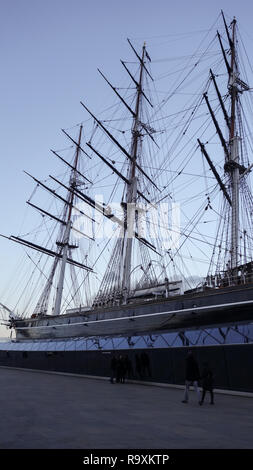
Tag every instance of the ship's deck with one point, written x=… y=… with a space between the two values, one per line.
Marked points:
x=54 y=411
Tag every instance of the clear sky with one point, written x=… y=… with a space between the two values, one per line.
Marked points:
x=50 y=51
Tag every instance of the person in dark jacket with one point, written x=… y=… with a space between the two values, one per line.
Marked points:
x=191 y=376
x=113 y=368
x=207 y=383
x=120 y=370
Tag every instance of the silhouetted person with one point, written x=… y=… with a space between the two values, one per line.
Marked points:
x=145 y=364
x=191 y=376
x=113 y=368
x=120 y=370
x=207 y=383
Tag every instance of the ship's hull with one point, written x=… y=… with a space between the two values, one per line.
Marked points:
x=232 y=305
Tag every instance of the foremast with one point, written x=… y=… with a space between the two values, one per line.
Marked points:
x=62 y=254
x=66 y=235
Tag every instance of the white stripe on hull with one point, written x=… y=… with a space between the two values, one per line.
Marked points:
x=131 y=325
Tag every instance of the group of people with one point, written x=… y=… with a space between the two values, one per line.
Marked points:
x=193 y=377
x=122 y=367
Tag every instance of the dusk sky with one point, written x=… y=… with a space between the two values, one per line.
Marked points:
x=50 y=51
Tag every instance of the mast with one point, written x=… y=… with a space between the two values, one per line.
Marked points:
x=233 y=163
x=233 y=166
x=132 y=189
x=66 y=236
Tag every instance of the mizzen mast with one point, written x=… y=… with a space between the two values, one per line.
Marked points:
x=232 y=147
x=233 y=162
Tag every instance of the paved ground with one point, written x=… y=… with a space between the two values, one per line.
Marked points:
x=48 y=411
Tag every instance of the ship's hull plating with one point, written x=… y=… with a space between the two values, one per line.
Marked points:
x=227 y=306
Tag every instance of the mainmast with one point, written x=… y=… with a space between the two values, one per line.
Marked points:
x=66 y=236
x=130 y=203
x=115 y=285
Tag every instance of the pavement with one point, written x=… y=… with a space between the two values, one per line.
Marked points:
x=52 y=411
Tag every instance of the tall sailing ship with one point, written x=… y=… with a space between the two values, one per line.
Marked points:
x=127 y=269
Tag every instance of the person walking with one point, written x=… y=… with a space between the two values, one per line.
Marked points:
x=120 y=370
x=191 y=376
x=207 y=383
